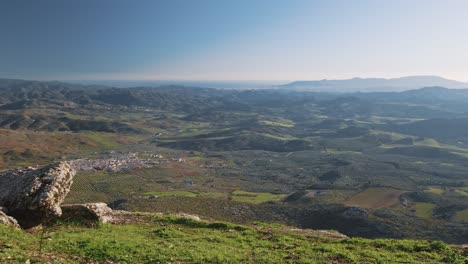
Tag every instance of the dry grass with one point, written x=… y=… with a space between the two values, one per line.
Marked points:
x=374 y=198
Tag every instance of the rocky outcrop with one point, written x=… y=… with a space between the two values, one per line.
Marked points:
x=89 y=214
x=32 y=195
x=7 y=220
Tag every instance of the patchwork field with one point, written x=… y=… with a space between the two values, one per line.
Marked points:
x=375 y=198
x=251 y=197
x=436 y=190
x=461 y=216
x=424 y=210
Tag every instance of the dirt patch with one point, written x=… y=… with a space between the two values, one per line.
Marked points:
x=375 y=198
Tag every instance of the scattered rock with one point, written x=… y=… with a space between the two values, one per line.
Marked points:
x=321 y=233
x=188 y=216
x=88 y=214
x=32 y=195
x=7 y=220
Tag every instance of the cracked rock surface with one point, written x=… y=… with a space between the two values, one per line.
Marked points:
x=32 y=195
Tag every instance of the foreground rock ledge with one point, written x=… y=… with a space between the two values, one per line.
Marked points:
x=89 y=214
x=32 y=195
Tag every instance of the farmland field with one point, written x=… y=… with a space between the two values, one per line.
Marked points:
x=375 y=198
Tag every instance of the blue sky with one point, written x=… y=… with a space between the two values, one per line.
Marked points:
x=232 y=40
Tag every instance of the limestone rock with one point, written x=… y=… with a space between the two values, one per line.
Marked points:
x=188 y=216
x=7 y=220
x=31 y=195
x=89 y=214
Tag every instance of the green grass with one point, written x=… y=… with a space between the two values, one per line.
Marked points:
x=447 y=164
x=337 y=152
x=109 y=140
x=283 y=123
x=187 y=194
x=462 y=154
x=238 y=196
x=424 y=210
x=435 y=190
x=177 y=240
x=282 y=137
x=394 y=136
x=172 y=193
x=102 y=139
x=254 y=197
x=462 y=191
x=427 y=142
x=461 y=216
x=385 y=119
x=375 y=198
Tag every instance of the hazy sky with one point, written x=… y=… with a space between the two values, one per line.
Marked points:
x=232 y=39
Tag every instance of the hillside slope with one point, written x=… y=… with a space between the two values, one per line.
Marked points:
x=166 y=239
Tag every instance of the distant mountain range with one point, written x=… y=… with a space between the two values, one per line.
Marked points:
x=374 y=84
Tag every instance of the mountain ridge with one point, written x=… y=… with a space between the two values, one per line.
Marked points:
x=374 y=84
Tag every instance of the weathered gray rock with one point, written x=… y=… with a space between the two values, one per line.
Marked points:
x=32 y=195
x=89 y=214
x=7 y=220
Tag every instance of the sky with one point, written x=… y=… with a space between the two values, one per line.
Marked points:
x=232 y=39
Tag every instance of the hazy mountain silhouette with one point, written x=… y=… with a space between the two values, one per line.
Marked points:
x=374 y=84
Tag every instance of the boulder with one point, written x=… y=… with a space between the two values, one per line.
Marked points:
x=89 y=214
x=7 y=220
x=33 y=195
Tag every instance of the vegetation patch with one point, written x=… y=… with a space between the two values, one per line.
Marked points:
x=283 y=123
x=436 y=190
x=108 y=140
x=424 y=210
x=428 y=142
x=161 y=194
x=461 y=216
x=256 y=197
x=338 y=152
x=280 y=137
x=462 y=191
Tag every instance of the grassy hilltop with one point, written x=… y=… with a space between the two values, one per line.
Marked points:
x=158 y=239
